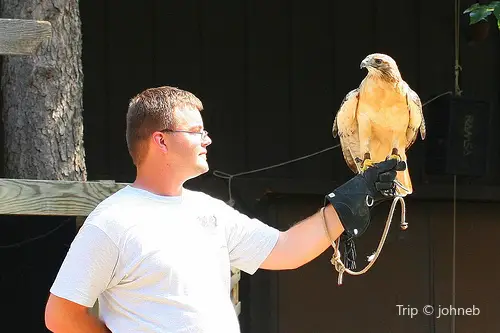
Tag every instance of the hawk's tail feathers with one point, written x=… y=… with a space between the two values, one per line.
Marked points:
x=403 y=177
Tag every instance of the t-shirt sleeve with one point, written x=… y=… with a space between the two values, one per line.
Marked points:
x=249 y=240
x=88 y=267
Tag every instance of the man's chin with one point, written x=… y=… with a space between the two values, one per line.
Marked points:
x=202 y=168
x=198 y=173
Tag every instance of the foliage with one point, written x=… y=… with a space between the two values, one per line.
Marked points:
x=479 y=12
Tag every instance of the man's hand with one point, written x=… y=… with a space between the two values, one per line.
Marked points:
x=353 y=200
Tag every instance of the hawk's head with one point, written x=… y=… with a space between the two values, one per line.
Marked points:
x=381 y=64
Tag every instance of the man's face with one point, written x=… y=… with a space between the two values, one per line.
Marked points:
x=187 y=152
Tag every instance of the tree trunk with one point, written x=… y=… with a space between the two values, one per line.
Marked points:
x=42 y=97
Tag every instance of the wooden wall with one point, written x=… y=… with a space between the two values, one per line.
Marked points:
x=414 y=269
x=271 y=74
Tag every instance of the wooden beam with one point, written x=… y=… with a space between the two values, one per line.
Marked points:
x=56 y=198
x=22 y=37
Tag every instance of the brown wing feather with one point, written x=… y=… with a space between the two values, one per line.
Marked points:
x=417 y=120
x=346 y=128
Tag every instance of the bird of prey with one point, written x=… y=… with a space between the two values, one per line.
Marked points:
x=380 y=119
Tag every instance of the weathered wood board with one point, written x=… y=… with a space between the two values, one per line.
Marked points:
x=22 y=37
x=53 y=197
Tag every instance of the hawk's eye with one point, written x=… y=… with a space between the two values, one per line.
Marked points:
x=378 y=61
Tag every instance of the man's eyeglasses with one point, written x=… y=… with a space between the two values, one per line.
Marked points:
x=203 y=133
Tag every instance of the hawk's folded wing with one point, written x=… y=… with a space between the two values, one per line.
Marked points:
x=416 y=120
x=345 y=125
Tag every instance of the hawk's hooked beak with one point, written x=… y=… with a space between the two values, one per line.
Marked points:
x=365 y=63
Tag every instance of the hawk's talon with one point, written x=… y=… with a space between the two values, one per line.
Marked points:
x=366 y=164
x=394 y=157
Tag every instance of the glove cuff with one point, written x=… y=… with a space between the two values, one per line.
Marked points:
x=352 y=204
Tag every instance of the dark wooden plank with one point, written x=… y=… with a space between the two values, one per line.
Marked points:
x=177 y=44
x=267 y=111
x=436 y=48
x=435 y=59
x=485 y=275
x=130 y=69
x=22 y=37
x=96 y=114
x=223 y=82
x=311 y=90
x=397 y=35
x=263 y=287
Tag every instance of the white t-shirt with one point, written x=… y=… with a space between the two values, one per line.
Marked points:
x=162 y=264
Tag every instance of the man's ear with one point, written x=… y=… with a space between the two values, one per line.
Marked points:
x=159 y=141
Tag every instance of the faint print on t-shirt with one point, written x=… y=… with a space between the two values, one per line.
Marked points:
x=208 y=221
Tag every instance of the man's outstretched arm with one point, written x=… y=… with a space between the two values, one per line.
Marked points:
x=304 y=241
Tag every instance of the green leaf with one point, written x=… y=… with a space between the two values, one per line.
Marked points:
x=479 y=14
x=494 y=4
x=471 y=8
x=496 y=11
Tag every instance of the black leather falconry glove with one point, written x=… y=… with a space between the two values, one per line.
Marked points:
x=353 y=200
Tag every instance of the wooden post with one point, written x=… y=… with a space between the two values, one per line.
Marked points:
x=22 y=37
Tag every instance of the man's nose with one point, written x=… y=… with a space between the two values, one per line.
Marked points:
x=207 y=141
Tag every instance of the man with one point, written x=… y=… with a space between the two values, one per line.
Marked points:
x=157 y=256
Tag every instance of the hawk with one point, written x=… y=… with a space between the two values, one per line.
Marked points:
x=380 y=119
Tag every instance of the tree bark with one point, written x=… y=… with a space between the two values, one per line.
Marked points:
x=42 y=97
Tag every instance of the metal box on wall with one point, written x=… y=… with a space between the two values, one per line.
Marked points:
x=457 y=140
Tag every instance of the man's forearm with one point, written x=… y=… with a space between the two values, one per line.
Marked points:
x=308 y=239
x=304 y=241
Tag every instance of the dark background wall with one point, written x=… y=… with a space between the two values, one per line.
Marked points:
x=271 y=74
